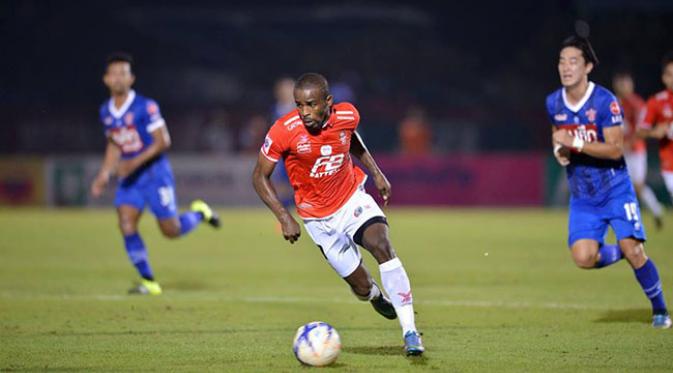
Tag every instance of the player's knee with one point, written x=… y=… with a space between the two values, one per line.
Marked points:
x=585 y=260
x=634 y=253
x=170 y=231
x=382 y=250
x=361 y=290
x=127 y=227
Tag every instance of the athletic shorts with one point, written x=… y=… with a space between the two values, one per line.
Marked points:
x=339 y=234
x=591 y=221
x=153 y=186
x=637 y=166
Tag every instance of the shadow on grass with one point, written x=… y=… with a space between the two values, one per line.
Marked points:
x=640 y=315
x=375 y=350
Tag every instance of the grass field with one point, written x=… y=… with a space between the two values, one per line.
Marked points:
x=495 y=290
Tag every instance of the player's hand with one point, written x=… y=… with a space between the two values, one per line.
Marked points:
x=564 y=138
x=290 y=228
x=383 y=185
x=99 y=183
x=125 y=168
x=562 y=154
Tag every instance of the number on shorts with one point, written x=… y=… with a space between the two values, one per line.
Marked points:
x=631 y=211
x=166 y=195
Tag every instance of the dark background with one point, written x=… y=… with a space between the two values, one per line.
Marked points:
x=480 y=69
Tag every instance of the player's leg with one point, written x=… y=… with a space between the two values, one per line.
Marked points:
x=629 y=231
x=374 y=238
x=586 y=230
x=128 y=216
x=668 y=181
x=162 y=201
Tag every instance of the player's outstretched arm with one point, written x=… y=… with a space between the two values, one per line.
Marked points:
x=612 y=148
x=161 y=141
x=360 y=151
x=107 y=169
x=657 y=132
x=261 y=180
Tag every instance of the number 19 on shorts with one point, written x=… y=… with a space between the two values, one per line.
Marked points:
x=631 y=211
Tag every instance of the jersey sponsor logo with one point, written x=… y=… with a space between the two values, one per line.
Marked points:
x=357 y=212
x=303 y=145
x=614 y=108
x=128 y=119
x=327 y=165
x=267 y=145
x=591 y=115
x=326 y=150
x=127 y=138
x=562 y=117
x=588 y=133
x=616 y=119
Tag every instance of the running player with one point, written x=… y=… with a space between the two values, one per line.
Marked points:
x=588 y=139
x=316 y=142
x=635 y=148
x=658 y=121
x=137 y=142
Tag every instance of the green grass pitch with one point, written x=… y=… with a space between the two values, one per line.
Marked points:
x=495 y=290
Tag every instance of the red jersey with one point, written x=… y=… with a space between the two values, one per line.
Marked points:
x=659 y=110
x=319 y=166
x=633 y=106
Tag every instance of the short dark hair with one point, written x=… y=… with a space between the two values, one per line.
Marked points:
x=582 y=44
x=668 y=59
x=118 y=57
x=622 y=73
x=313 y=80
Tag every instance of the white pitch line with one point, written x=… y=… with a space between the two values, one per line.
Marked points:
x=290 y=300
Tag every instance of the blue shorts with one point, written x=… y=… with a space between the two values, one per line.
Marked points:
x=591 y=221
x=153 y=186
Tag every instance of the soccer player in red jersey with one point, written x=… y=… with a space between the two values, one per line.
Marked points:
x=316 y=142
x=635 y=148
x=658 y=121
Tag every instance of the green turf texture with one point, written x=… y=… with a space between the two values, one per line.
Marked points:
x=495 y=290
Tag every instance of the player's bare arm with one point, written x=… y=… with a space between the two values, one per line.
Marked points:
x=110 y=161
x=360 y=151
x=161 y=142
x=659 y=131
x=612 y=148
x=261 y=180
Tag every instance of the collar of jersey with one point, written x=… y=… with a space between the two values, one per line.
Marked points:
x=118 y=113
x=329 y=121
x=575 y=108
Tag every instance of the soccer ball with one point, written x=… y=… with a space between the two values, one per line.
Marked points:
x=316 y=343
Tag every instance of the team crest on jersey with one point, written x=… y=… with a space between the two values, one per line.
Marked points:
x=108 y=120
x=303 y=145
x=614 y=108
x=343 y=137
x=326 y=150
x=591 y=115
x=561 y=117
x=128 y=118
x=666 y=111
x=267 y=145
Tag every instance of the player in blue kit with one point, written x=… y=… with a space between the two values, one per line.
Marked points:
x=588 y=140
x=137 y=142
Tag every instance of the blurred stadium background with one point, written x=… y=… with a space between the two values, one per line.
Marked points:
x=451 y=95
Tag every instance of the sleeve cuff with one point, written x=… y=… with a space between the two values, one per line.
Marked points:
x=156 y=125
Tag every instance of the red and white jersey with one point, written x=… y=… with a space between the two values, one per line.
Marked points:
x=633 y=107
x=659 y=110
x=320 y=167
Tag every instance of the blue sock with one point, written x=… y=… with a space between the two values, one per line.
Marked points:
x=189 y=220
x=135 y=248
x=610 y=254
x=648 y=277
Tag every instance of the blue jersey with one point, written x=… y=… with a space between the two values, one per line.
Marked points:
x=131 y=126
x=592 y=180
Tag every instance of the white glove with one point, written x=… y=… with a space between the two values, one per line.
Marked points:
x=563 y=161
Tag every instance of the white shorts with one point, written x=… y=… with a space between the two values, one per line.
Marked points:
x=637 y=165
x=334 y=234
x=668 y=180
